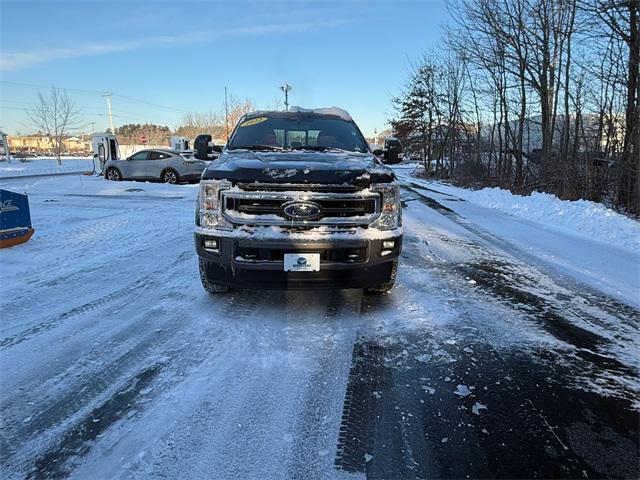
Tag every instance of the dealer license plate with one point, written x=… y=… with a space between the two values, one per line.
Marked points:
x=301 y=262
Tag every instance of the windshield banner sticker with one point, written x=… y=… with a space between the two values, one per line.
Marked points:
x=253 y=121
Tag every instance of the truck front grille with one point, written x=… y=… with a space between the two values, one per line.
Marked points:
x=342 y=255
x=267 y=207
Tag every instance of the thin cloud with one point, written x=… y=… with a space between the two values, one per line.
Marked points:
x=21 y=60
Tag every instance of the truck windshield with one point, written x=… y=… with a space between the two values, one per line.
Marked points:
x=305 y=132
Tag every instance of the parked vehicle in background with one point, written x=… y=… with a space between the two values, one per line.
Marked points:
x=23 y=155
x=167 y=166
x=297 y=200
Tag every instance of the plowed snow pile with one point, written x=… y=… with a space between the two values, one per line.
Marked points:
x=582 y=217
x=44 y=166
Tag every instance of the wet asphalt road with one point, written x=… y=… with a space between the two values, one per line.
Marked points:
x=483 y=363
x=429 y=407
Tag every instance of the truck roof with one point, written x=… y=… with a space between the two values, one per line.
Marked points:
x=334 y=111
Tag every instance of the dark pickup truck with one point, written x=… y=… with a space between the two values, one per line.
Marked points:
x=297 y=200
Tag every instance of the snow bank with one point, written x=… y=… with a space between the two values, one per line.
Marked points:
x=45 y=166
x=582 y=217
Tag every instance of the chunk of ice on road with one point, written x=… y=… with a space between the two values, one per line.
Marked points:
x=323 y=453
x=367 y=457
x=467 y=349
x=477 y=407
x=423 y=358
x=428 y=389
x=444 y=439
x=462 y=391
x=471 y=282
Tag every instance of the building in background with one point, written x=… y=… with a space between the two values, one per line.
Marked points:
x=41 y=144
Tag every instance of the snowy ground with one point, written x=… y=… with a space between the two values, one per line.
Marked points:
x=44 y=166
x=507 y=349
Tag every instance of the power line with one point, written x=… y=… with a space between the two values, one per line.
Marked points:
x=27 y=105
x=33 y=85
x=125 y=97
x=81 y=112
x=144 y=102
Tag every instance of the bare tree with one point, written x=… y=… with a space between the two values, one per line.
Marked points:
x=55 y=115
x=236 y=109
x=622 y=18
x=195 y=123
x=214 y=123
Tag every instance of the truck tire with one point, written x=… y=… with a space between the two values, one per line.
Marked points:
x=388 y=285
x=207 y=284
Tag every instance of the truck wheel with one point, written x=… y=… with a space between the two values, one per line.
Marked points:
x=170 y=176
x=388 y=285
x=113 y=174
x=207 y=284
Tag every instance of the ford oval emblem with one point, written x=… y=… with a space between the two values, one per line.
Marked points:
x=296 y=210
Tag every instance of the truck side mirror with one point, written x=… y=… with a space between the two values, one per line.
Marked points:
x=378 y=152
x=392 y=151
x=201 y=146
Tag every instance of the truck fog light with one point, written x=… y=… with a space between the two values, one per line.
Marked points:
x=384 y=253
x=211 y=244
x=388 y=244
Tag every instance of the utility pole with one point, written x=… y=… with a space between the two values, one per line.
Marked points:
x=286 y=88
x=226 y=113
x=108 y=97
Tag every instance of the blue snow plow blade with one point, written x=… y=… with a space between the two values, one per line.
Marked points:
x=15 y=219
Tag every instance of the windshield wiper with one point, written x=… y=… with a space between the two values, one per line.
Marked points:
x=257 y=147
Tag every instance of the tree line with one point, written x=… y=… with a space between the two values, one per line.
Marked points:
x=218 y=124
x=56 y=116
x=531 y=95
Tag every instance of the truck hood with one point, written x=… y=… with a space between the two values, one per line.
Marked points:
x=299 y=167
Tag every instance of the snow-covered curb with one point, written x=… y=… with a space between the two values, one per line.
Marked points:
x=581 y=217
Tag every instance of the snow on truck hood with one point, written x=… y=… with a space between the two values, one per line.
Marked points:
x=299 y=167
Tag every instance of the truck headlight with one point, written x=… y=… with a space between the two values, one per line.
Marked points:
x=209 y=208
x=390 y=210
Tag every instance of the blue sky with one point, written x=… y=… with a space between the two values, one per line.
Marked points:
x=180 y=55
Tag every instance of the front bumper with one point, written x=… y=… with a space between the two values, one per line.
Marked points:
x=230 y=266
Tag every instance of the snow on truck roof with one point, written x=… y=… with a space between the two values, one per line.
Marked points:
x=338 y=112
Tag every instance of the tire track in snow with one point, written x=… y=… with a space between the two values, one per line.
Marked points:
x=593 y=297
x=41 y=327
x=317 y=425
x=599 y=360
x=560 y=308
x=136 y=287
x=177 y=356
x=77 y=440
